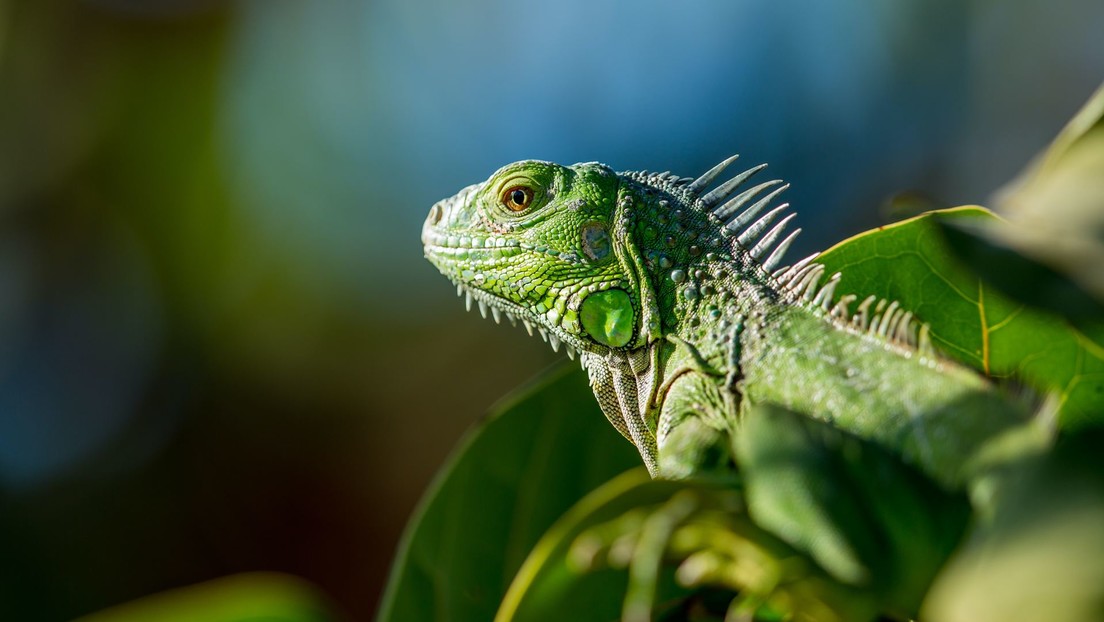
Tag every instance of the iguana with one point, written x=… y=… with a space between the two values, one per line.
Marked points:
x=848 y=436
x=670 y=291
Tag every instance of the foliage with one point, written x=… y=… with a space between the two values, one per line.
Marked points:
x=238 y=598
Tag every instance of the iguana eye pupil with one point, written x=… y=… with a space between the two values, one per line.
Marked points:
x=517 y=198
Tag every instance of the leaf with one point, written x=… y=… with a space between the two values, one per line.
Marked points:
x=1041 y=556
x=239 y=598
x=696 y=530
x=543 y=449
x=1020 y=277
x=548 y=587
x=971 y=322
x=866 y=517
x=1055 y=219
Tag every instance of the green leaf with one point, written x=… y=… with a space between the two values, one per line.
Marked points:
x=542 y=450
x=869 y=519
x=1041 y=556
x=971 y=322
x=239 y=598
x=1022 y=278
x=1055 y=220
x=642 y=549
x=549 y=587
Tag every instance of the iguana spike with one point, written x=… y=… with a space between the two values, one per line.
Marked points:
x=791 y=279
x=923 y=341
x=862 y=318
x=842 y=309
x=768 y=240
x=721 y=192
x=497 y=315
x=736 y=204
x=824 y=296
x=739 y=222
x=732 y=206
x=876 y=321
x=807 y=288
x=784 y=274
x=888 y=318
x=894 y=328
x=554 y=341
x=528 y=327
x=467 y=301
x=904 y=329
x=700 y=183
x=756 y=229
x=775 y=257
x=482 y=309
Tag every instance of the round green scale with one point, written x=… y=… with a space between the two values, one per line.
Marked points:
x=607 y=316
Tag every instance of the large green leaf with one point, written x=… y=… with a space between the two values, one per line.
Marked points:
x=248 y=597
x=1055 y=208
x=1049 y=251
x=550 y=587
x=1041 y=556
x=909 y=262
x=866 y=517
x=644 y=549
x=541 y=451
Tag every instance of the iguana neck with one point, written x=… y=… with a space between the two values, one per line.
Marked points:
x=689 y=274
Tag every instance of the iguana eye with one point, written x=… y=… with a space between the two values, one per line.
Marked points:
x=517 y=198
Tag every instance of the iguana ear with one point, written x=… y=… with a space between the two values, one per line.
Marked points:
x=632 y=265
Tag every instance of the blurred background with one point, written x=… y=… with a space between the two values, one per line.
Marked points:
x=220 y=347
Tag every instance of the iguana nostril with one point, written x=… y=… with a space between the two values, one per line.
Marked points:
x=434 y=215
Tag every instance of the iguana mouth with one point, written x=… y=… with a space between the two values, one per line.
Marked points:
x=473 y=246
x=453 y=242
x=514 y=313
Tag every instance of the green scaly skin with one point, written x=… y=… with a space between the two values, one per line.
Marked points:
x=671 y=298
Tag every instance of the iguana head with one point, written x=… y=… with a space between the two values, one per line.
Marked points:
x=600 y=260
x=538 y=243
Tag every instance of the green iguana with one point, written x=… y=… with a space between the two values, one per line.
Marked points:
x=670 y=290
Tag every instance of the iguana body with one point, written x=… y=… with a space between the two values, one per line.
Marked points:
x=671 y=295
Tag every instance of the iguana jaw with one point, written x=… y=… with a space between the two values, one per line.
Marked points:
x=475 y=259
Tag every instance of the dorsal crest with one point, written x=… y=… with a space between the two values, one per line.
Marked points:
x=758 y=228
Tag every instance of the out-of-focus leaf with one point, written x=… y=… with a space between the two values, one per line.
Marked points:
x=1022 y=278
x=1041 y=557
x=239 y=598
x=541 y=451
x=550 y=587
x=1055 y=212
x=707 y=546
x=861 y=513
x=909 y=262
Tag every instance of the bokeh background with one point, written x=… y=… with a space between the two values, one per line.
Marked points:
x=220 y=348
